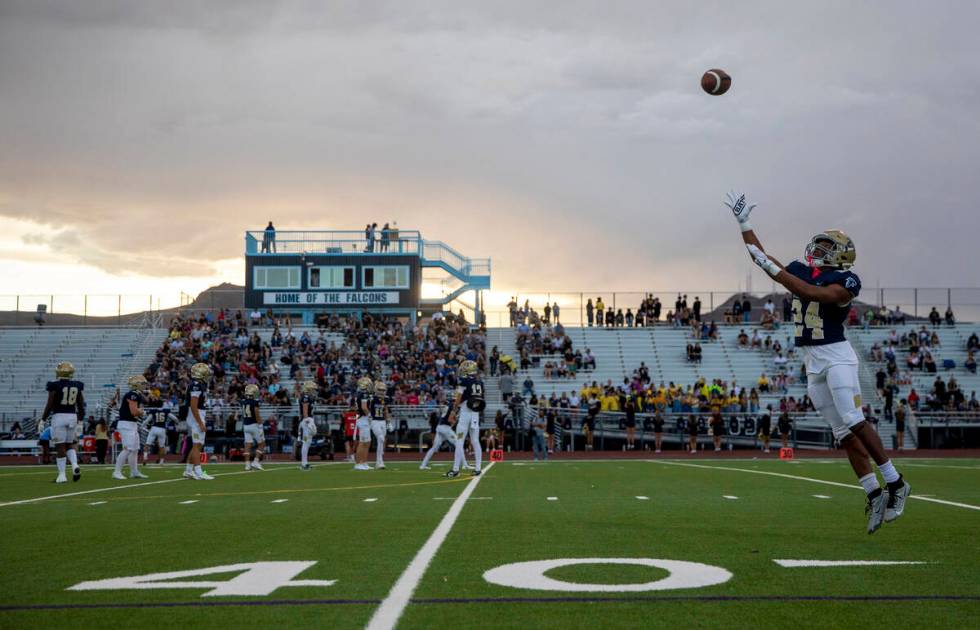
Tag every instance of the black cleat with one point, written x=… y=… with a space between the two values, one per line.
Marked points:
x=897 y=493
x=875 y=510
x=76 y=474
x=476 y=473
x=452 y=474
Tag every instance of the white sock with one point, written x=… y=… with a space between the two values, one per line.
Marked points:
x=188 y=468
x=73 y=458
x=197 y=469
x=60 y=461
x=306 y=451
x=379 y=456
x=134 y=462
x=477 y=453
x=888 y=472
x=120 y=460
x=459 y=456
x=869 y=482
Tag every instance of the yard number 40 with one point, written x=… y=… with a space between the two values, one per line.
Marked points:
x=254 y=578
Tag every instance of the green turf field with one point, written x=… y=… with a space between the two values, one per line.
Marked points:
x=358 y=532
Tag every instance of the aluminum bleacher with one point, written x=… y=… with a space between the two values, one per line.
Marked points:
x=104 y=357
x=619 y=351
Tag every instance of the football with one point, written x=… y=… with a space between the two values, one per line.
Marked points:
x=715 y=82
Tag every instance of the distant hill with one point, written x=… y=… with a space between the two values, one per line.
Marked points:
x=224 y=295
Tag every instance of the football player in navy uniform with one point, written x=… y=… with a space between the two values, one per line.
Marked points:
x=443 y=434
x=252 y=427
x=130 y=413
x=823 y=289
x=66 y=410
x=364 y=395
x=470 y=401
x=192 y=412
x=379 y=422
x=307 y=426
x=157 y=413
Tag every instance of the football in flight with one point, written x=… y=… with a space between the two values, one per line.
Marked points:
x=715 y=82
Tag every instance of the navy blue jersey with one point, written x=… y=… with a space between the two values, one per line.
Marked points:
x=473 y=396
x=249 y=407
x=445 y=417
x=821 y=324
x=306 y=401
x=196 y=389
x=66 y=393
x=362 y=399
x=158 y=416
x=124 y=412
x=378 y=407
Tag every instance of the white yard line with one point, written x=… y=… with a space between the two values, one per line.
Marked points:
x=370 y=499
x=390 y=611
x=966 y=506
x=188 y=502
x=806 y=564
x=729 y=497
x=642 y=498
x=120 y=487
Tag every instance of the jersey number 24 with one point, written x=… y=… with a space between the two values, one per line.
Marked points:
x=810 y=319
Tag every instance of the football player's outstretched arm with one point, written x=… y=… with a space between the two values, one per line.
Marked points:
x=741 y=209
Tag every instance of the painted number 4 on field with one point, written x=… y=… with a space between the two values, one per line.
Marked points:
x=254 y=578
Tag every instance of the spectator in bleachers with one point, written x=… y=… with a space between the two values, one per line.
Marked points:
x=934 y=318
x=743 y=339
x=950 y=319
x=610 y=317
x=628 y=319
x=973 y=343
x=746 y=309
x=971 y=363
x=600 y=313
x=556 y=312
x=787 y=309
x=696 y=309
x=589 y=312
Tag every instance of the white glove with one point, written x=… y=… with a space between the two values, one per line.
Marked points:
x=759 y=257
x=741 y=208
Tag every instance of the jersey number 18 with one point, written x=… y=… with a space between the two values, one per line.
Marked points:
x=69 y=395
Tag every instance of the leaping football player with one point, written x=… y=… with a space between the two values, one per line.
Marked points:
x=252 y=427
x=192 y=412
x=364 y=395
x=823 y=289
x=130 y=413
x=467 y=406
x=307 y=426
x=379 y=422
x=66 y=410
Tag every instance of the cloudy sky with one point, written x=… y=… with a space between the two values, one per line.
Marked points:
x=567 y=140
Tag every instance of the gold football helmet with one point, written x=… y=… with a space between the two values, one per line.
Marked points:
x=310 y=387
x=364 y=384
x=831 y=248
x=380 y=389
x=251 y=390
x=468 y=368
x=201 y=371
x=137 y=383
x=64 y=370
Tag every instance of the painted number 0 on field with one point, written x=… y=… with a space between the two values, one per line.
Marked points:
x=255 y=578
x=531 y=575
